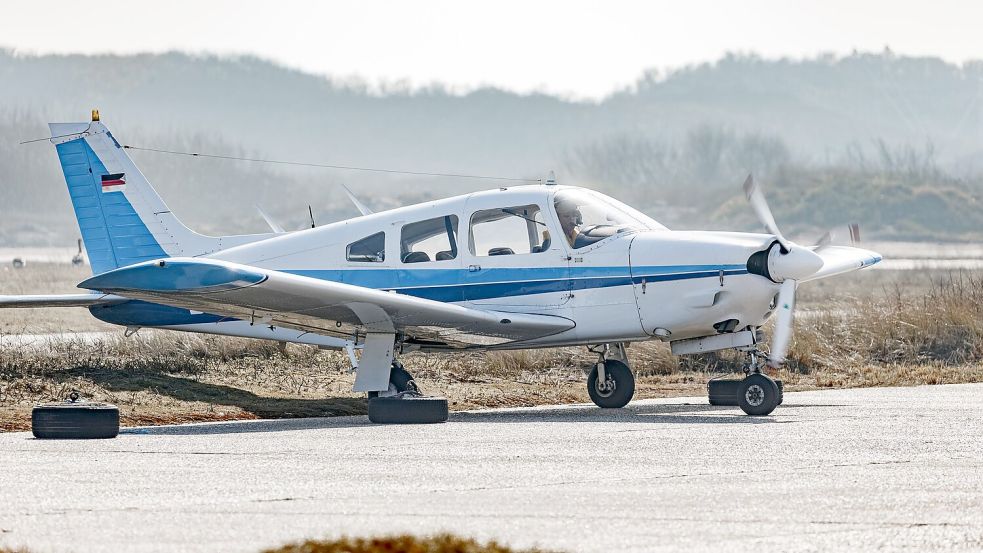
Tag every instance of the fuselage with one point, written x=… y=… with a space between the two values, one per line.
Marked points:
x=624 y=278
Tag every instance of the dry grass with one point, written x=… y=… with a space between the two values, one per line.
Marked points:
x=443 y=543
x=164 y=377
x=897 y=338
x=898 y=328
x=160 y=377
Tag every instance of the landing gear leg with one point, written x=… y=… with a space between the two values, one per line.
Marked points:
x=757 y=394
x=611 y=383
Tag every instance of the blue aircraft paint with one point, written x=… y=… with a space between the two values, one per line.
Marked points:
x=113 y=233
x=171 y=276
x=141 y=313
x=456 y=285
x=870 y=261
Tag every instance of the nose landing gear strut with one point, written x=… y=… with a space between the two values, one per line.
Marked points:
x=611 y=383
x=757 y=394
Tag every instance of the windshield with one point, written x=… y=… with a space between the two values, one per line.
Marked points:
x=587 y=217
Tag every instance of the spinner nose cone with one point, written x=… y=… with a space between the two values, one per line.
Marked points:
x=797 y=263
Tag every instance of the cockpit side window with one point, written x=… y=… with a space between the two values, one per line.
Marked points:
x=586 y=218
x=431 y=240
x=371 y=249
x=508 y=231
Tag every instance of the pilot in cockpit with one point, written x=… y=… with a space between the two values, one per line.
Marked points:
x=570 y=219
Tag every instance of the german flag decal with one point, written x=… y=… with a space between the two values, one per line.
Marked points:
x=114 y=183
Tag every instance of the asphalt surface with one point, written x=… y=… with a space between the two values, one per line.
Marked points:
x=886 y=469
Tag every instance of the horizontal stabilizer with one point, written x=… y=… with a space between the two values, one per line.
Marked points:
x=60 y=300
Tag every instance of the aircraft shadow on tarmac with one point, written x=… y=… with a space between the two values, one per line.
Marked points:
x=648 y=414
x=285 y=414
x=186 y=389
x=685 y=413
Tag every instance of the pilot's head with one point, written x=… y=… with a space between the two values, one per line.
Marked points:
x=569 y=215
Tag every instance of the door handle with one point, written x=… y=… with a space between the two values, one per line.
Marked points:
x=474 y=268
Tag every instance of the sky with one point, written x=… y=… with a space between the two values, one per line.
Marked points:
x=573 y=48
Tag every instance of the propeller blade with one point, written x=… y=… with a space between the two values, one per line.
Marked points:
x=362 y=208
x=761 y=209
x=826 y=240
x=854 y=233
x=783 y=324
x=269 y=220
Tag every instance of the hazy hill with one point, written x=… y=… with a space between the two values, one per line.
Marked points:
x=698 y=128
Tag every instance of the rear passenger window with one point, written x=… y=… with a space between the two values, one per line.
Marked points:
x=509 y=231
x=431 y=240
x=369 y=249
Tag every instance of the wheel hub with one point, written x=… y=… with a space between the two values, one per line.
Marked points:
x=606 y=388
x=755 y=395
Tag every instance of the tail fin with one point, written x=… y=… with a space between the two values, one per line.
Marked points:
x=122 y=218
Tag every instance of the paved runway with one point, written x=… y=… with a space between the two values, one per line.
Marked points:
x=888 y=469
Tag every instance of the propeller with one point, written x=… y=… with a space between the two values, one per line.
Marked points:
x=827 y=239
x=761 y=209
x=782 y=336
x=362 y=208
x=786 y=263
x=274 y=226
x=823 y=241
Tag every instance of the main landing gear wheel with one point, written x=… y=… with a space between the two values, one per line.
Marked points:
x=758 y=395
x=75 y=419
x=618 y=386
x=404 y=404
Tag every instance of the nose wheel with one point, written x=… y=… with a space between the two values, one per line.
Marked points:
x=611 y=384
x=758 y=395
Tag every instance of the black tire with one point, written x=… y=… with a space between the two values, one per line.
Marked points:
x=75 y=421
x=724 y=392
x=757 y=395
x=623 y=382
x=408 y=409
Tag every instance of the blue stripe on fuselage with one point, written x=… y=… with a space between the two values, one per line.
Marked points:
x=455 y=285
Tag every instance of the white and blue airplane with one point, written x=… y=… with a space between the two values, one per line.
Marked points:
x=511 y=268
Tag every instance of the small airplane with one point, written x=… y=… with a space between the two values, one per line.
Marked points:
x=530 y=266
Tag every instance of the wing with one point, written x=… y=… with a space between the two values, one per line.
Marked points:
x=842 y=259
x=60 y=300
x=268 y=297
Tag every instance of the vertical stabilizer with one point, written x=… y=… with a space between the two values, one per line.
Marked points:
x=122 y=218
